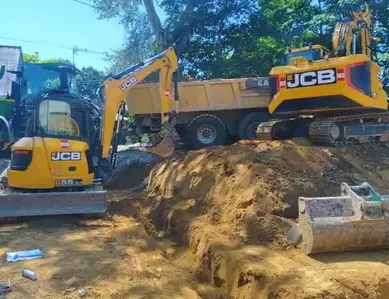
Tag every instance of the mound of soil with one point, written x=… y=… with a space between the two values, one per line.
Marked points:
x=239 y=184
x=223 y=200
x=132 y=169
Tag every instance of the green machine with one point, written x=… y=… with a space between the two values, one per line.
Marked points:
x=22 y=85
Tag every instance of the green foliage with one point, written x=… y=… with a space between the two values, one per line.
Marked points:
x=52 y=83
x=89 y=80
x=28 y=58
x=233 y=38
x=34 y=58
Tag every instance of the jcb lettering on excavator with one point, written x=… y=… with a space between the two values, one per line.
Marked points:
x=128 y=83
x=311 y=78
x=65 y=156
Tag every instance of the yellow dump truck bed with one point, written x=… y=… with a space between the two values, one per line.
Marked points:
x=209 y=95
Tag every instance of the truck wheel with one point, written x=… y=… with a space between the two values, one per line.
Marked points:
x=248 y=125
x=206 y=130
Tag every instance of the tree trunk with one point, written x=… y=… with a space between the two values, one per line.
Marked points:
x=156 y=24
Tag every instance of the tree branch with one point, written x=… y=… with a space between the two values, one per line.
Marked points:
x=156 y=24
x=84 y=3
x=182 y=34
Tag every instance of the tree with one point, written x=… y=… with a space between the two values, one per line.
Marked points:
x=185 y=21
x=31 y=57
x=233 y=38
x=88 y=81
x=34 y=58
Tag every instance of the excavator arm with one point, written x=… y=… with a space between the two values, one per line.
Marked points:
x=116 y=89
x=353 y=36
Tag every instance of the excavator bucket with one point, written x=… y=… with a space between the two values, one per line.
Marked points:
x=17 y=204
x=164 y=145
x=358 y=219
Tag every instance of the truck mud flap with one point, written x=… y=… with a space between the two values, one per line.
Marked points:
x=358 y=219
x=17 y=204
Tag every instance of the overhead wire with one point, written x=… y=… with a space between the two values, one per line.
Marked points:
x=45 y=43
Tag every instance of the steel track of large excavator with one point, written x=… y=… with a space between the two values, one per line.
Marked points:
x=330 y=130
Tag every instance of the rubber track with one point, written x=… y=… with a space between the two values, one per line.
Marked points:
x=319 y=131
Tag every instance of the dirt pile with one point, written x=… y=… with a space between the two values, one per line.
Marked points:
x=238 y=185
x=132 y=170
x=230 y=205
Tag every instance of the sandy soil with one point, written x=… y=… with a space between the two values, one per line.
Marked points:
x=229 y=204
x=212 y=224
x=110 y=258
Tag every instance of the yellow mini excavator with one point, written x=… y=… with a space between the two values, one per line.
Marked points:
x=332 y=98
x=57 y=168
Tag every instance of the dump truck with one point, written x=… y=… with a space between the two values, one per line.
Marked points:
x=209 y=112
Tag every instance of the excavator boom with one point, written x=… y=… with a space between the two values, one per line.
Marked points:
x=353 y=36
x=115 y=92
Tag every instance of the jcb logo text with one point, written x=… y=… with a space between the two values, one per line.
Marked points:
x=311 y=78
x=128 y=83
x=65 y=156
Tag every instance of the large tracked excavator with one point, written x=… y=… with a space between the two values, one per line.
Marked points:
x=59 y=166
x=333 y=97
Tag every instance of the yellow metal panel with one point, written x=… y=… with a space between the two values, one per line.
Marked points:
x=140 y=99
x=223 y=95
x=38 y=173
x=194 y=96
x=60 y=169
x=340 y=88
x=201 y=95
x=251 y=99
x=42 y=172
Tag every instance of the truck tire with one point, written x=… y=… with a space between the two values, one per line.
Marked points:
x=206 y=130
x=248 y=125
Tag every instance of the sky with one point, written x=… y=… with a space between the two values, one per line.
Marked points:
x=59 y=22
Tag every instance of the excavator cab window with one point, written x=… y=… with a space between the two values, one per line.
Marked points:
x=41 y=78
x=58 y=118
x=311 y=54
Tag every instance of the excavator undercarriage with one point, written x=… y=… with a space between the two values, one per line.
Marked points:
x=342 y=129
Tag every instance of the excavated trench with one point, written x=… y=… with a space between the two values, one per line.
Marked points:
x=232 y=205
